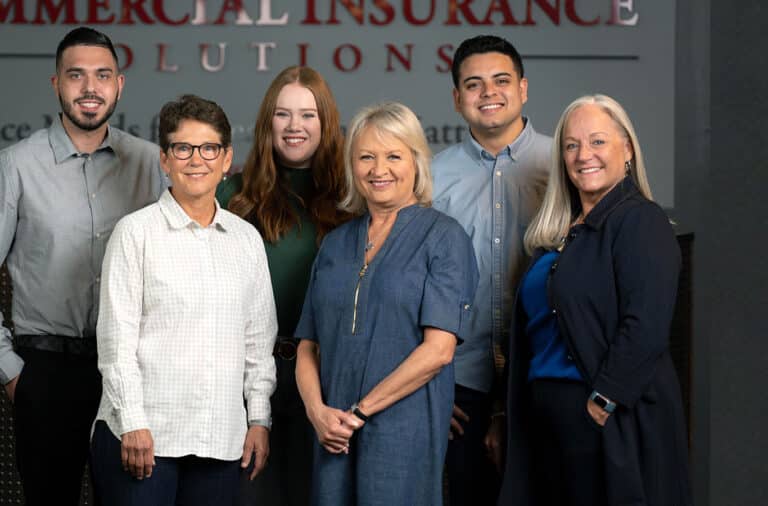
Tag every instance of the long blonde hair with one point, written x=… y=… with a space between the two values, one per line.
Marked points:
x=561 y=199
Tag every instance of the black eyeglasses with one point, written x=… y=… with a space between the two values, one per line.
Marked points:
x=184 y=150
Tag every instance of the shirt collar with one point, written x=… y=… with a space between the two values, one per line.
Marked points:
x=178 y=218
x=624 y=190
x=478 y=153
x=62 y=145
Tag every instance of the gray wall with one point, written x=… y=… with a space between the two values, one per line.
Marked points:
x=721 y=173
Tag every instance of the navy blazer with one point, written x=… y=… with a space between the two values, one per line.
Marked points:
x=613 y=290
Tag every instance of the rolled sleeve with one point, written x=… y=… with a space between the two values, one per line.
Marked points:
x=451 y=282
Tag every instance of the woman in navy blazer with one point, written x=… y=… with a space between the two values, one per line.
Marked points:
x=593 y=402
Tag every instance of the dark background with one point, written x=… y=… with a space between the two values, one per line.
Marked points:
x=720 y=178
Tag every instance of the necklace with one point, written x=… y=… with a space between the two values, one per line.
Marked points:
x=372 y=240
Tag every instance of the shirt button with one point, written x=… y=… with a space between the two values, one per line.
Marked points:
x=98 y=234
x=93 y=195
x=466 y=307
x=497 y=240
x=98 y=279
x=554 y=311
x=570 y=357
x=498 y=173
x=498 y=205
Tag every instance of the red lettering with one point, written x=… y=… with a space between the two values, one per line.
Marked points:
x=159 y=10
x=410 y=18
x=94 y=6
x=311 y=16
x=127 y=56
x=358 y=57
x=454 y=6
x=54 y=11
x=405 y=60
x=570 y=11
x=18 y=12
x=129 y=6
x=356 y=11
x=552 y=11
x=229 y=6
x=503 y=7
x=303 y=54
x=445 y=53
x=388 y=10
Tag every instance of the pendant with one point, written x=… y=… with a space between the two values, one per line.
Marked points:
x=368 y=246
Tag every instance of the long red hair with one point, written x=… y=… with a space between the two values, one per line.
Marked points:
x=265 y=197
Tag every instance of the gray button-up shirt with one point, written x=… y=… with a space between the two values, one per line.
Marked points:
x=494 y=197
x=58 y=210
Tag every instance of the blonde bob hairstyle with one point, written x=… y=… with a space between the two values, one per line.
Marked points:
x=561 y=200
x=398 y=121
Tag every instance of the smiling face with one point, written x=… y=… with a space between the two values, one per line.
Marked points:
x=88 y=86
x=194 y=180
x=595 y=150
x=490 y=97
x=384 y=171
x=295 y=126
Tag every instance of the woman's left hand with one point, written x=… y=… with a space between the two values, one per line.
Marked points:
x=598 y=414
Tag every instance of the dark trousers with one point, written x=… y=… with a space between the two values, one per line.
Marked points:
x=567 y=446
x=472 y=477
x=56 y=399
x=183 y=481
x=287 y=478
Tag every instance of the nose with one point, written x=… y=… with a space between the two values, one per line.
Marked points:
x=89 y=83
x=294 y=123
x=488 y=90
x=585 y=152
x=196 y=159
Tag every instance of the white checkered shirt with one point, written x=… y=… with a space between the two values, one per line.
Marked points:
x=186 y=329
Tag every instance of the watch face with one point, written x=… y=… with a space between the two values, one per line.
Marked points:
x=600 y=401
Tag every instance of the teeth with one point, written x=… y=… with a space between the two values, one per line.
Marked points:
x=293 y=141
x=380 y=183
x=589 y=170
x=490 y=106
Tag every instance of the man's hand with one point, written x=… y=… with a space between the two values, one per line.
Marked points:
x=494 y=441
x=10 y=388
x=137 y=453
x=334 y=427
x=456 y=429
x=256 y=444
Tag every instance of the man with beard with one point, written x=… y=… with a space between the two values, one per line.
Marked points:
x=63 y=189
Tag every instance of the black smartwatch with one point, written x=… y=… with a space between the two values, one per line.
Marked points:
x=603 y=402
x=355 y=409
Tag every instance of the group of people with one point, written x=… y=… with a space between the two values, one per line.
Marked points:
x=328 y=326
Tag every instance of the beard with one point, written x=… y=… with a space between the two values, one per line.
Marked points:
x=89 y=121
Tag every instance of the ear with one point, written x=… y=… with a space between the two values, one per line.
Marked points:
x=55 y=83
x=629 y=153
x=120 y=84
x=228 y=159
x=456 y=100
x=524 y=90
x=164 y=162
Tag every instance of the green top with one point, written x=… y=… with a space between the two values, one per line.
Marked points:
x=290 y=259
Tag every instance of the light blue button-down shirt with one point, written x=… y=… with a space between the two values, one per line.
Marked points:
x=58 y=210
x=494 y=197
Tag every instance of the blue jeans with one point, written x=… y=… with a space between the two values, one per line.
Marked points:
x=183 y=481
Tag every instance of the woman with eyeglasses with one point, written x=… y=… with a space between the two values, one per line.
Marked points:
x=289 y=190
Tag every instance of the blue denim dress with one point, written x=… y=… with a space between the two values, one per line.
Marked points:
x=424 y=275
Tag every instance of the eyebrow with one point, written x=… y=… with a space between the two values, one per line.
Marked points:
x=81 y=69
x=289 y=109
x=499 y=74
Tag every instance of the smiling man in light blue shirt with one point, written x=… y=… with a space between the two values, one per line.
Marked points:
x=492 y=183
